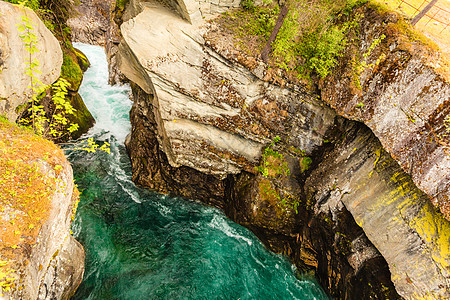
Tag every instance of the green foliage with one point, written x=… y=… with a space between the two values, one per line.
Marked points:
x=53 y=121
x=305 y=163
x=29 y=39
x=248 y=4
x=33 y=4
x=284 y=46
x=290 y=202
x=310 y=39
x=320 y=49
x=360 y=65
x=90 y=146
x=120 y=4
x=273 y=163
x=59 y=122
x=259 y=21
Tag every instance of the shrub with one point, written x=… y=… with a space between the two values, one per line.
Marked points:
x=321 y=50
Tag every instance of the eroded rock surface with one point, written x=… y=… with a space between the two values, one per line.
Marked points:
x=213 y=115
x=400 y=97
x=396 y=216
x=14 y=82
x=39 y=257
x=201 y=121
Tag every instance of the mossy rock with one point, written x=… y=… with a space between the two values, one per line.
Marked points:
x=71 y=71
x=82 y=116
x=82 y=60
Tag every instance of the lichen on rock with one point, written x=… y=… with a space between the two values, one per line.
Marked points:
x=37 y=200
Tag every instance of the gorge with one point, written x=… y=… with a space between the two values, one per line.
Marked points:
x=348 y=175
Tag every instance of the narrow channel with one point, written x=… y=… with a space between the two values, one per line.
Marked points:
x=144 y=245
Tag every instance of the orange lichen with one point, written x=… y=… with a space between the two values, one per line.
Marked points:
x=28 y=169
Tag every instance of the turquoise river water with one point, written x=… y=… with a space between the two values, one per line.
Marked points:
x=144 y=245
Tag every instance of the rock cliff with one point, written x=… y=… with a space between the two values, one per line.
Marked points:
x=14 y=82
x=345 y=208
x=39 y=259
x=49 y=62
x=399 y=95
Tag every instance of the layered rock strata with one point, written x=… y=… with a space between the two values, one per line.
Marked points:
x=201 y=121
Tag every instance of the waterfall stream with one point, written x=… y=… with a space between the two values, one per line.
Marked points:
x=144 y=245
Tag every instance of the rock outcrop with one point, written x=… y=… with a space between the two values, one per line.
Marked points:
x=39 y=259
x=14 y=58
x=395 y=90
x=213 y=116
x=48 y=61
x=345 y=208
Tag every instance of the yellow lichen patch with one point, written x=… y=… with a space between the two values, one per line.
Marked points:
x=25 y=190
x=435 y=231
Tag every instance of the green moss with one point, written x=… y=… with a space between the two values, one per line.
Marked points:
x=121 y=4
x=71 y=71
x=83 y=61
x=82 y=116
x=305 y=163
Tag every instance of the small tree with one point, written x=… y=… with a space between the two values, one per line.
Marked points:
x=284 y=9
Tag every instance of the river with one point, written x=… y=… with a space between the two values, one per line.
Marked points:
x=143 y=245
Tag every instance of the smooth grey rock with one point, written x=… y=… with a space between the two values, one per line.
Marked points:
x=14 y=83
x=197 y=92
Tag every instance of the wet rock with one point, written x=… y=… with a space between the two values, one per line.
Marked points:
x=97 y=23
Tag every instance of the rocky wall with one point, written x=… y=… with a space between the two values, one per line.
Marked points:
x=388 y=81
x=201 y=121
x=39 y=259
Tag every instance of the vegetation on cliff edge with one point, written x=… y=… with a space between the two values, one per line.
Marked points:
x=311 y=36
x=29 y=169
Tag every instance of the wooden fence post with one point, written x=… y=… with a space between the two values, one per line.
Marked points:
x=423 y=12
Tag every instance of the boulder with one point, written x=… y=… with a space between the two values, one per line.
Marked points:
x=39 y=256
x=14 y=58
